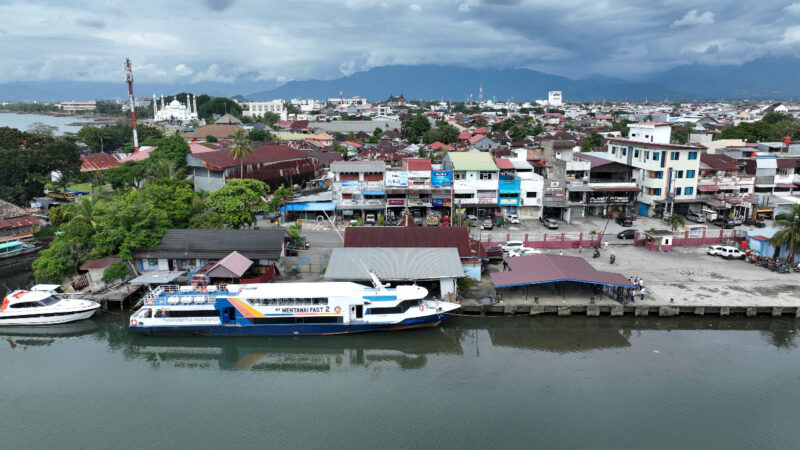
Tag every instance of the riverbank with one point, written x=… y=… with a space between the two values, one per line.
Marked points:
x=64 y=122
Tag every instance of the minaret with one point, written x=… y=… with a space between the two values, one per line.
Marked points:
x=162 y=102
x=155 y=106
x=194 y=99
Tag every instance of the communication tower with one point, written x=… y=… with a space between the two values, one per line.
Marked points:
x=129 y=78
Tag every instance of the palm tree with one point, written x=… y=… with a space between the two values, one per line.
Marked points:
x=240 y=149
x=789 y=234
x=676 y=220
x=84 y=210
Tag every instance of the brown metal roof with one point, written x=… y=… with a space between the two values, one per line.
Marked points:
x=787 y=163
x=719 y=161
x=101 y=263
x=431 y=237
x=99 y=161
x=544 y=268
x=261 y=155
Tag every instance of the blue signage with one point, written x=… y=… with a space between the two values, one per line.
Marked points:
x=441 y=178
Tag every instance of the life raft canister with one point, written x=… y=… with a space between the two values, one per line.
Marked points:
x=134 y=322
x=338 y=309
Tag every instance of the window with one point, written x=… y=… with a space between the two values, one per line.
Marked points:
x=458 y=175
x=655 y=156
x=647 y=154
x=509 y=196
x=677 y=191
x=486 y=175
x=613 y=150
x=655 y=191
x=657 y=174
x=152 y=262
x=678 y=174
x=624 y=151
x=636 y=153
x=692 y=155
x=688 y=191
x=690 y=174
x=49 y=301
x=462 y=195
x=674 y=156
x=530 y=195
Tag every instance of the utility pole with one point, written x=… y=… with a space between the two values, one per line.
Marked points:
x=129 y=78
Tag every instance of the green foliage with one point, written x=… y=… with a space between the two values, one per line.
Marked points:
x=789 y=233
x=173 y=149
x=260 y=136
x=414 y=127
x=128 y=221
x=749 y=131
x=681 y=135
x=278 y=196
x=207 y=107
x=373 y=140
x=774 y=117
x=26 y=170
x=241 y=148
x=268 y=118
x=238 y=201
x=292 y=109
x=111 y=109
x=444 y=133
x=116 y=271
x=377 y=132
x=29 y=107
x=42 y=129
x=465 y=284
x=595 y=140
x=621 y=126
x=127 y=175
x=676 y=221
x=210 y=138
x=46 y=231
x=174 y=197
x=65 y=253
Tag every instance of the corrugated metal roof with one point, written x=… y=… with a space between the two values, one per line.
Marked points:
x=157 y=277
x=100 y=161
x=472 y=161
x=404 y=237
x=520 y=164
x=394 y=264
x=101 y=263
x=216 y=244
x=358 y=166
x=232 y=266
x=503 y=163
x=261 y=155
x=544 y=268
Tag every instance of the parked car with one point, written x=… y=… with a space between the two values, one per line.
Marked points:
x=737 y=220
x=724 y=222
x=370 y=219
x=513 y=218
x=418 y=221
x=625 y=221
x=495 y=252
x=523 y=251
x=487 y=224
x=626 y=234
x=758 y=223
x=696 y=217
x=511 y=245
x=725 y=252
x=551 y=224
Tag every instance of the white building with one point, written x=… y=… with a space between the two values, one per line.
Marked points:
x=659 y=167
x=77 y=106
x=554 y=98
x=258 y=109
x=175 y=111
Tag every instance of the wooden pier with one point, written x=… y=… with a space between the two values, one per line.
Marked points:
x=638 y=310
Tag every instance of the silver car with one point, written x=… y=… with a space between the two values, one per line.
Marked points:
x=695 y=217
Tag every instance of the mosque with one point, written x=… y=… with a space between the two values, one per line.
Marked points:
x=176 y=111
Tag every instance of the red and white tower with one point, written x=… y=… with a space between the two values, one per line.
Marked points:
x=129 y=78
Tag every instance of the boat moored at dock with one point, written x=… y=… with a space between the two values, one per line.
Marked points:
x=42 y=306
x=287 y=309
x=13 y=249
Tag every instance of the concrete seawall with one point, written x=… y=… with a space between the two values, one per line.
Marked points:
x=628 y=310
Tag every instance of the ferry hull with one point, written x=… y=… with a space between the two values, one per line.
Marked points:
x=290 y=329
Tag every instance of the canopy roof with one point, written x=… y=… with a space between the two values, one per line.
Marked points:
x=395 y=264
x=544 y=268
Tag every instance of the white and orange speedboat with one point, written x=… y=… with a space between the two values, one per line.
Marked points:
x=41 y=306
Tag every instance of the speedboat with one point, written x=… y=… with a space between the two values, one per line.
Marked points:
x=16 y=248
x=41 y=306
x=265 y=309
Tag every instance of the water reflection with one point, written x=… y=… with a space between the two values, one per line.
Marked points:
x=23 y=338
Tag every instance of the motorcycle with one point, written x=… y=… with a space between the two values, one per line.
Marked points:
x=612 y=259
x=596 y=253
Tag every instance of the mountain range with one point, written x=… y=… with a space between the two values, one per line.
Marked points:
x=761 y=79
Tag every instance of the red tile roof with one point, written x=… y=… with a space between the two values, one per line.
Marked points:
x=417 y=164
x=440 y=146
x=299 y=125
x=476 y=138
x=481 y=130
x=544 y=268
x=503 y=163
x=261 y=155
x=99 y=161
x=418 y=237
x=464 y=135
x=17 y=222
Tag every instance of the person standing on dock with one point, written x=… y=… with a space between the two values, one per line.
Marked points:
x=642 y=292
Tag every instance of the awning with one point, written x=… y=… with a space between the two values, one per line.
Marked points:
x=785 y=186
x=374 y=192
x=157 y=277
x=616 y=189
x=309 y=206
x=546 y=268
x=579 y=188
x=707 y=188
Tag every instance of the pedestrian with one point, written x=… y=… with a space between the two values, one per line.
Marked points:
x=605 y=245
x=642 y=292
x=560 y=252
x=640 y=283
x=580 y=248
x=633 y=295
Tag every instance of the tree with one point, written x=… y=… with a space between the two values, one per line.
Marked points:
x=238 y=201
x=789 y=234
x=675 y=221
x=749 y=131
x=595 y=140
x=128 y=221
x=377 y=132
x=210 y=138
x=173 y=149
x=26 y=170
x=268 y=118
x=414 y=127
x=82 y=209
x=116 y=271
x=278 y=196
x=774 y=117
x=42 y=129
x=240 y=149
x=127 y=175
x=260 y=136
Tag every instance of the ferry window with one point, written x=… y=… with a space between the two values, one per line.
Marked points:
x=193 y=313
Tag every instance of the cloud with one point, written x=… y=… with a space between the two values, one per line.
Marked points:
x=693 y=19
x=183 y=71
x=464 y=7
x=415 y=7
x=793 y=9
x=218 y=5
x=91 y=22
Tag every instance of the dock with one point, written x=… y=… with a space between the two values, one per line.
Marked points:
x=630 y=309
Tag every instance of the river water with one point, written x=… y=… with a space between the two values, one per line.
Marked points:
x=543 y=382
x=24 y=121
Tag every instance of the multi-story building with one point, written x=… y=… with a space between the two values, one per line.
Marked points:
x=259 y=109
x=358 y=188
x=416 y=187
x=665 y=173
x=475 y=180
x=77 y=106
x=566 y=180
x=519 y=187
x=612 y=189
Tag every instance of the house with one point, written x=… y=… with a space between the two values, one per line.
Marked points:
x=100 y=162
x=94 y=271
x=190 y=250
x=475 y=180
x=270 y=163
x=482 y=142
x=217 y=131
x=394 y=102
x=227 y=119
x=16 y=223
x=418 y=237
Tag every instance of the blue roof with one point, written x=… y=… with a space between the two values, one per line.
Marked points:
x=309 y=206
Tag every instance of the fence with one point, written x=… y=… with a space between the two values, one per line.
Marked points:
x=309 y=264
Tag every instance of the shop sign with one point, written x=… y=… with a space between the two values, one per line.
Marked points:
x=441 y=178
x=398 y=178
x=395 y=202
x=414 y=202
x=489 y=201
x=508 y=202
x=350 y=183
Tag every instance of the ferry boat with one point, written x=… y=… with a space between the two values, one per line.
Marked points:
x=41 y=306
x=16 y=248
x=267 y=309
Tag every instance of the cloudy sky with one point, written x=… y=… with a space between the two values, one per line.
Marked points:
x=225 y=40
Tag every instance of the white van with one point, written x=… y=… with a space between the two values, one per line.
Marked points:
x=512 y=245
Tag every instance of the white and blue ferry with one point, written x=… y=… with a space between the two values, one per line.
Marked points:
x=267 y=309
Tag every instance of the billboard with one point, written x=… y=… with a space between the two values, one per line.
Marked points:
x=441 y=178
x=397 y=178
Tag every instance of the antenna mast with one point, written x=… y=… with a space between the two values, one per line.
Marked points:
x=129 y=78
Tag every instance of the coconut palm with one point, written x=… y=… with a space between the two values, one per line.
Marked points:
x=83 y=209
x=240 y=149
x=676 y=220
x=789 y=234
